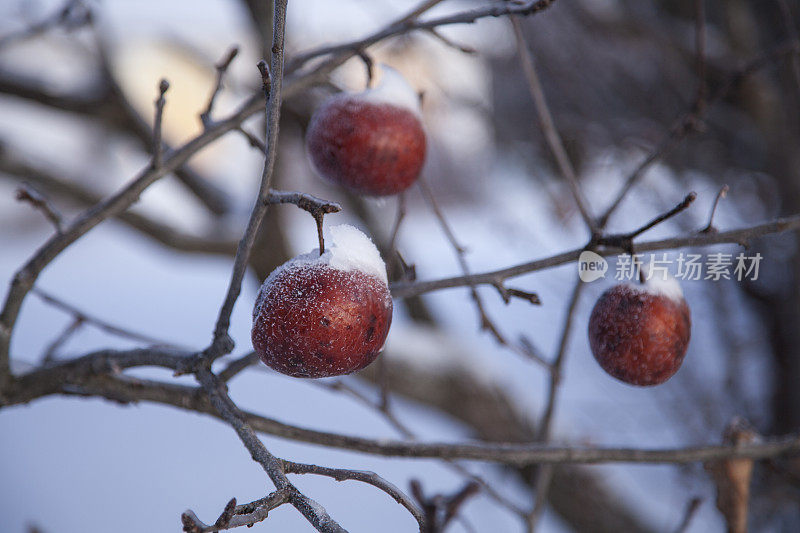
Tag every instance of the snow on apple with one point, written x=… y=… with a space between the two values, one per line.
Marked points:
x=324 y=315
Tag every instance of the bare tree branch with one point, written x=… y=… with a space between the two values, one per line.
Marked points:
x=107 y=102
x=383 y=407
x=548 y=126
x=222 y=69
x=158 y=148
x=159 y=231
x=73 y=14
x=236 y=515
x=67 y=333
x=370 y=478
x=89 y=375
x=723 y=192
x=486 y=322
x=688 y=122
x=273 y=84
x=409 y=23
x=26 y=193
x=544 y=475
x=99 y=323
x=103 y=373
x=73 y=191
x=26 y=276
x=742 y=236
x=314 y=512
x=691 y=510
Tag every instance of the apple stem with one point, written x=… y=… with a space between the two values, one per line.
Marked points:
x=638 y=263
x=318 y=219
x=369 y=64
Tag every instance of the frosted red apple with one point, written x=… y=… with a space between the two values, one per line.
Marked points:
x=639 y=332
x=320 y=316
x=370 y=142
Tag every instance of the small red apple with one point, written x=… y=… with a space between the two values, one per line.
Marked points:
x=371 y=142
x=324 y=315
x=639 y=332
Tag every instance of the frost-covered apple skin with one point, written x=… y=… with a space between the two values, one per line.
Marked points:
x=314 y=321
x=639 y=336
x=374 y=148
x=325 y=314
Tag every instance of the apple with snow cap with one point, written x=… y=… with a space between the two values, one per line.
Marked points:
x=371 y=142
x=324 y=315
x=639 y=332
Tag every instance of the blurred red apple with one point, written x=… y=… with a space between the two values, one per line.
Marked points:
x=371 y=142
x=639 y=332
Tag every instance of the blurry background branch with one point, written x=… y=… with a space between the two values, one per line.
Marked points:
x=99 y=374
x=506 y=436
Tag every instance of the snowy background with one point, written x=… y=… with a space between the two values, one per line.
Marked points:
x=85 y=464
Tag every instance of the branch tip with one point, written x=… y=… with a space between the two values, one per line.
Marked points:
x=26 y=193
x=266 y=82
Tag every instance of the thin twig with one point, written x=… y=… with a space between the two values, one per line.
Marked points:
x=682 y=206
x=742 y=236
x=700 y=45
x=385 y=410
x=369 y=65
x=545 y=473
x=311 y=510
x=545 y=426
x=452 y=44
x=409 y=23
x=26 y=193
x=624 y=241
x=235 y=516
x=272 y=83
x=398 y=221
x=709 y=228
x=50 y=352
x=316 y=207
x=440 y=509
x=158 y=148
x=237 y=365
x=370 y=478
x=99 y=323
x=791 y=30
x=221 y=68
x=689 y=122
x=254 y=141
x=93 y=374
x=486 y=322
x=73 y=14
x=548 y=125
x=689 y=513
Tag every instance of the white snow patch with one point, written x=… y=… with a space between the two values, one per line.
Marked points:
x=393 y=89
x=346 y=248
x=659 y=283
x=353 y=250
